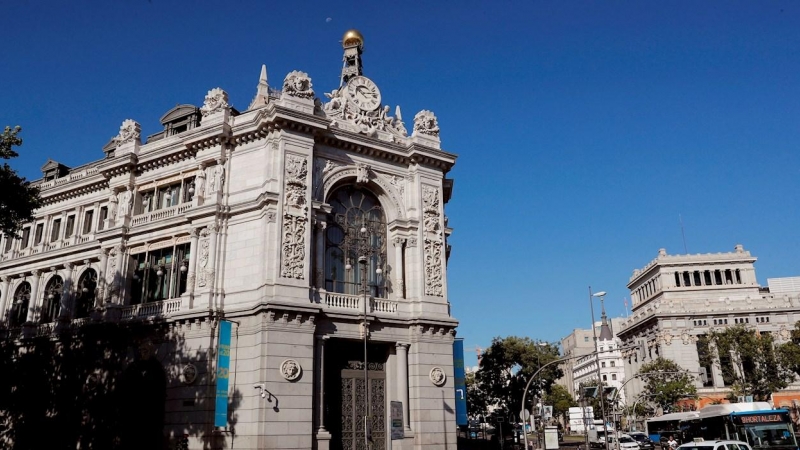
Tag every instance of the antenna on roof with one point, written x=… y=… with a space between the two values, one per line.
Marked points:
x=685 y=250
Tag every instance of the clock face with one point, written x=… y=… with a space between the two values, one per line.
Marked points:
x=363 y=93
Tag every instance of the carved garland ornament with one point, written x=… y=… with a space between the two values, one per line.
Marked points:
x=298 y=84
x=438 y=377
x=294 y=218
x=433 y=241
x=216 y=101
x=291 y=370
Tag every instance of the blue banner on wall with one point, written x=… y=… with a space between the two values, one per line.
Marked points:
x=460 y=382
x=223 y=369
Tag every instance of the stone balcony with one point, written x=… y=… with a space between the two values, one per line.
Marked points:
x=355 y=304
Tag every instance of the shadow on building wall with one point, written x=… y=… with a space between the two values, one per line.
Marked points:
x=108 y=386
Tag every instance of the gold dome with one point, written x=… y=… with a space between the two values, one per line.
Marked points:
x=352 y=37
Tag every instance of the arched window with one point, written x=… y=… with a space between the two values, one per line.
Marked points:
x=87 y=286
x=51 y=306
x=356 y=229
x=19 y=310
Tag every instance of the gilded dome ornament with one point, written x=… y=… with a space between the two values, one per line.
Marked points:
x=352 y=38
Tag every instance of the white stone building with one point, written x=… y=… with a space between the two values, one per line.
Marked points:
x=270 y=217
x=579 y=343
x=678 y=299
x=608 y=358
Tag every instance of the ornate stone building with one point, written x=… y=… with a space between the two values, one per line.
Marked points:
x=307 y=221
x=679 y=299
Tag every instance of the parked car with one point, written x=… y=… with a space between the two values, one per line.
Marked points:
x=625 y=442
x=715 y=445
x=645 y=443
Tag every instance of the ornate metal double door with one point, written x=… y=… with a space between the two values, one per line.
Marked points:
x=356 y=398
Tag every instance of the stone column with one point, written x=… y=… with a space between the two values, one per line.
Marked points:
x=320 y=263
x=192 y=259
x=100 y=294
x=398 y=267
x=33 y=303
x=67 y=293
x=402 y=381
x=5 y=282
x=320 y=365
x=212 y=264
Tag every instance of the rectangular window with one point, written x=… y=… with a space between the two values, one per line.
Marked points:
x=87 y=221
x=8 y=243
x=37 y=239
x=101 y=221
x=613 y=377
x=70 y=226
x=586 y=339
x=613 y=363
x=605 y=377
x=26 y=237
x=54 y=233
x=603 y=364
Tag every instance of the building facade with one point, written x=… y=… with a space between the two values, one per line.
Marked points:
x=679 y=299
x=579 y=344
x=314 y=224
x=605 y=364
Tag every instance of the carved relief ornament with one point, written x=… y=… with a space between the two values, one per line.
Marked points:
x=216 y=101
x=129 y=131
x=425 y=122
x=298 y=84
x=294 y=218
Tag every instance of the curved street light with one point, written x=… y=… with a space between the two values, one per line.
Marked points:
x=535 y=374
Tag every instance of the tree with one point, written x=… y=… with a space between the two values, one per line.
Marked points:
x=667 y=382
x=506 y=367
x=750 y=363
x=789 y=352
x=477 y=401
x=559 y=397
x=19 y=199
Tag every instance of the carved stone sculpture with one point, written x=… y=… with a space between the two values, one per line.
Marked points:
x=298 y=84
x=216 y=101
x=425 y=123
x=438 y=377
x=362 y=173
x=291 y=370
x=129 y=131
x=293 y=236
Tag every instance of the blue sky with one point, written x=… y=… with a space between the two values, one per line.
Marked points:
x=584 y=129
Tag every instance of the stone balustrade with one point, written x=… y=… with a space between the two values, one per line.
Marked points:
x=353 y=302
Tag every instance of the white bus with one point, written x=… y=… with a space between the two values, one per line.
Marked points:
x=756 y=423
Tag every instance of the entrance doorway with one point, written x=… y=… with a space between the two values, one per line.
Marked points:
x=348 y=398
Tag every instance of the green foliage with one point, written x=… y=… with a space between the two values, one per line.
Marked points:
x=667 y=382
x=19 y=199
x=506 y=367
x=789 y=352
x=100 y=386
x=561 y=400
x=752 y=363
x=477 y=400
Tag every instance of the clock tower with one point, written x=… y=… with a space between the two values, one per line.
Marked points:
x=353 y=43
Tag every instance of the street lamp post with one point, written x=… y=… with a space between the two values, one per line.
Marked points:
x=535 y=374
x=602 y=295
x=358 y=242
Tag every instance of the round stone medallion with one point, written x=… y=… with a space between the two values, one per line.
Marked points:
x=437 y=376
x=291 y=370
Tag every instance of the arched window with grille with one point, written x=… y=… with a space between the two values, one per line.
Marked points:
x=356 y=228
x=19 y=310
x=51 y=306
x=85 y=295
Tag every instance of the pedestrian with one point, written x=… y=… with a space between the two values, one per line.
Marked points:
x=673 y=444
